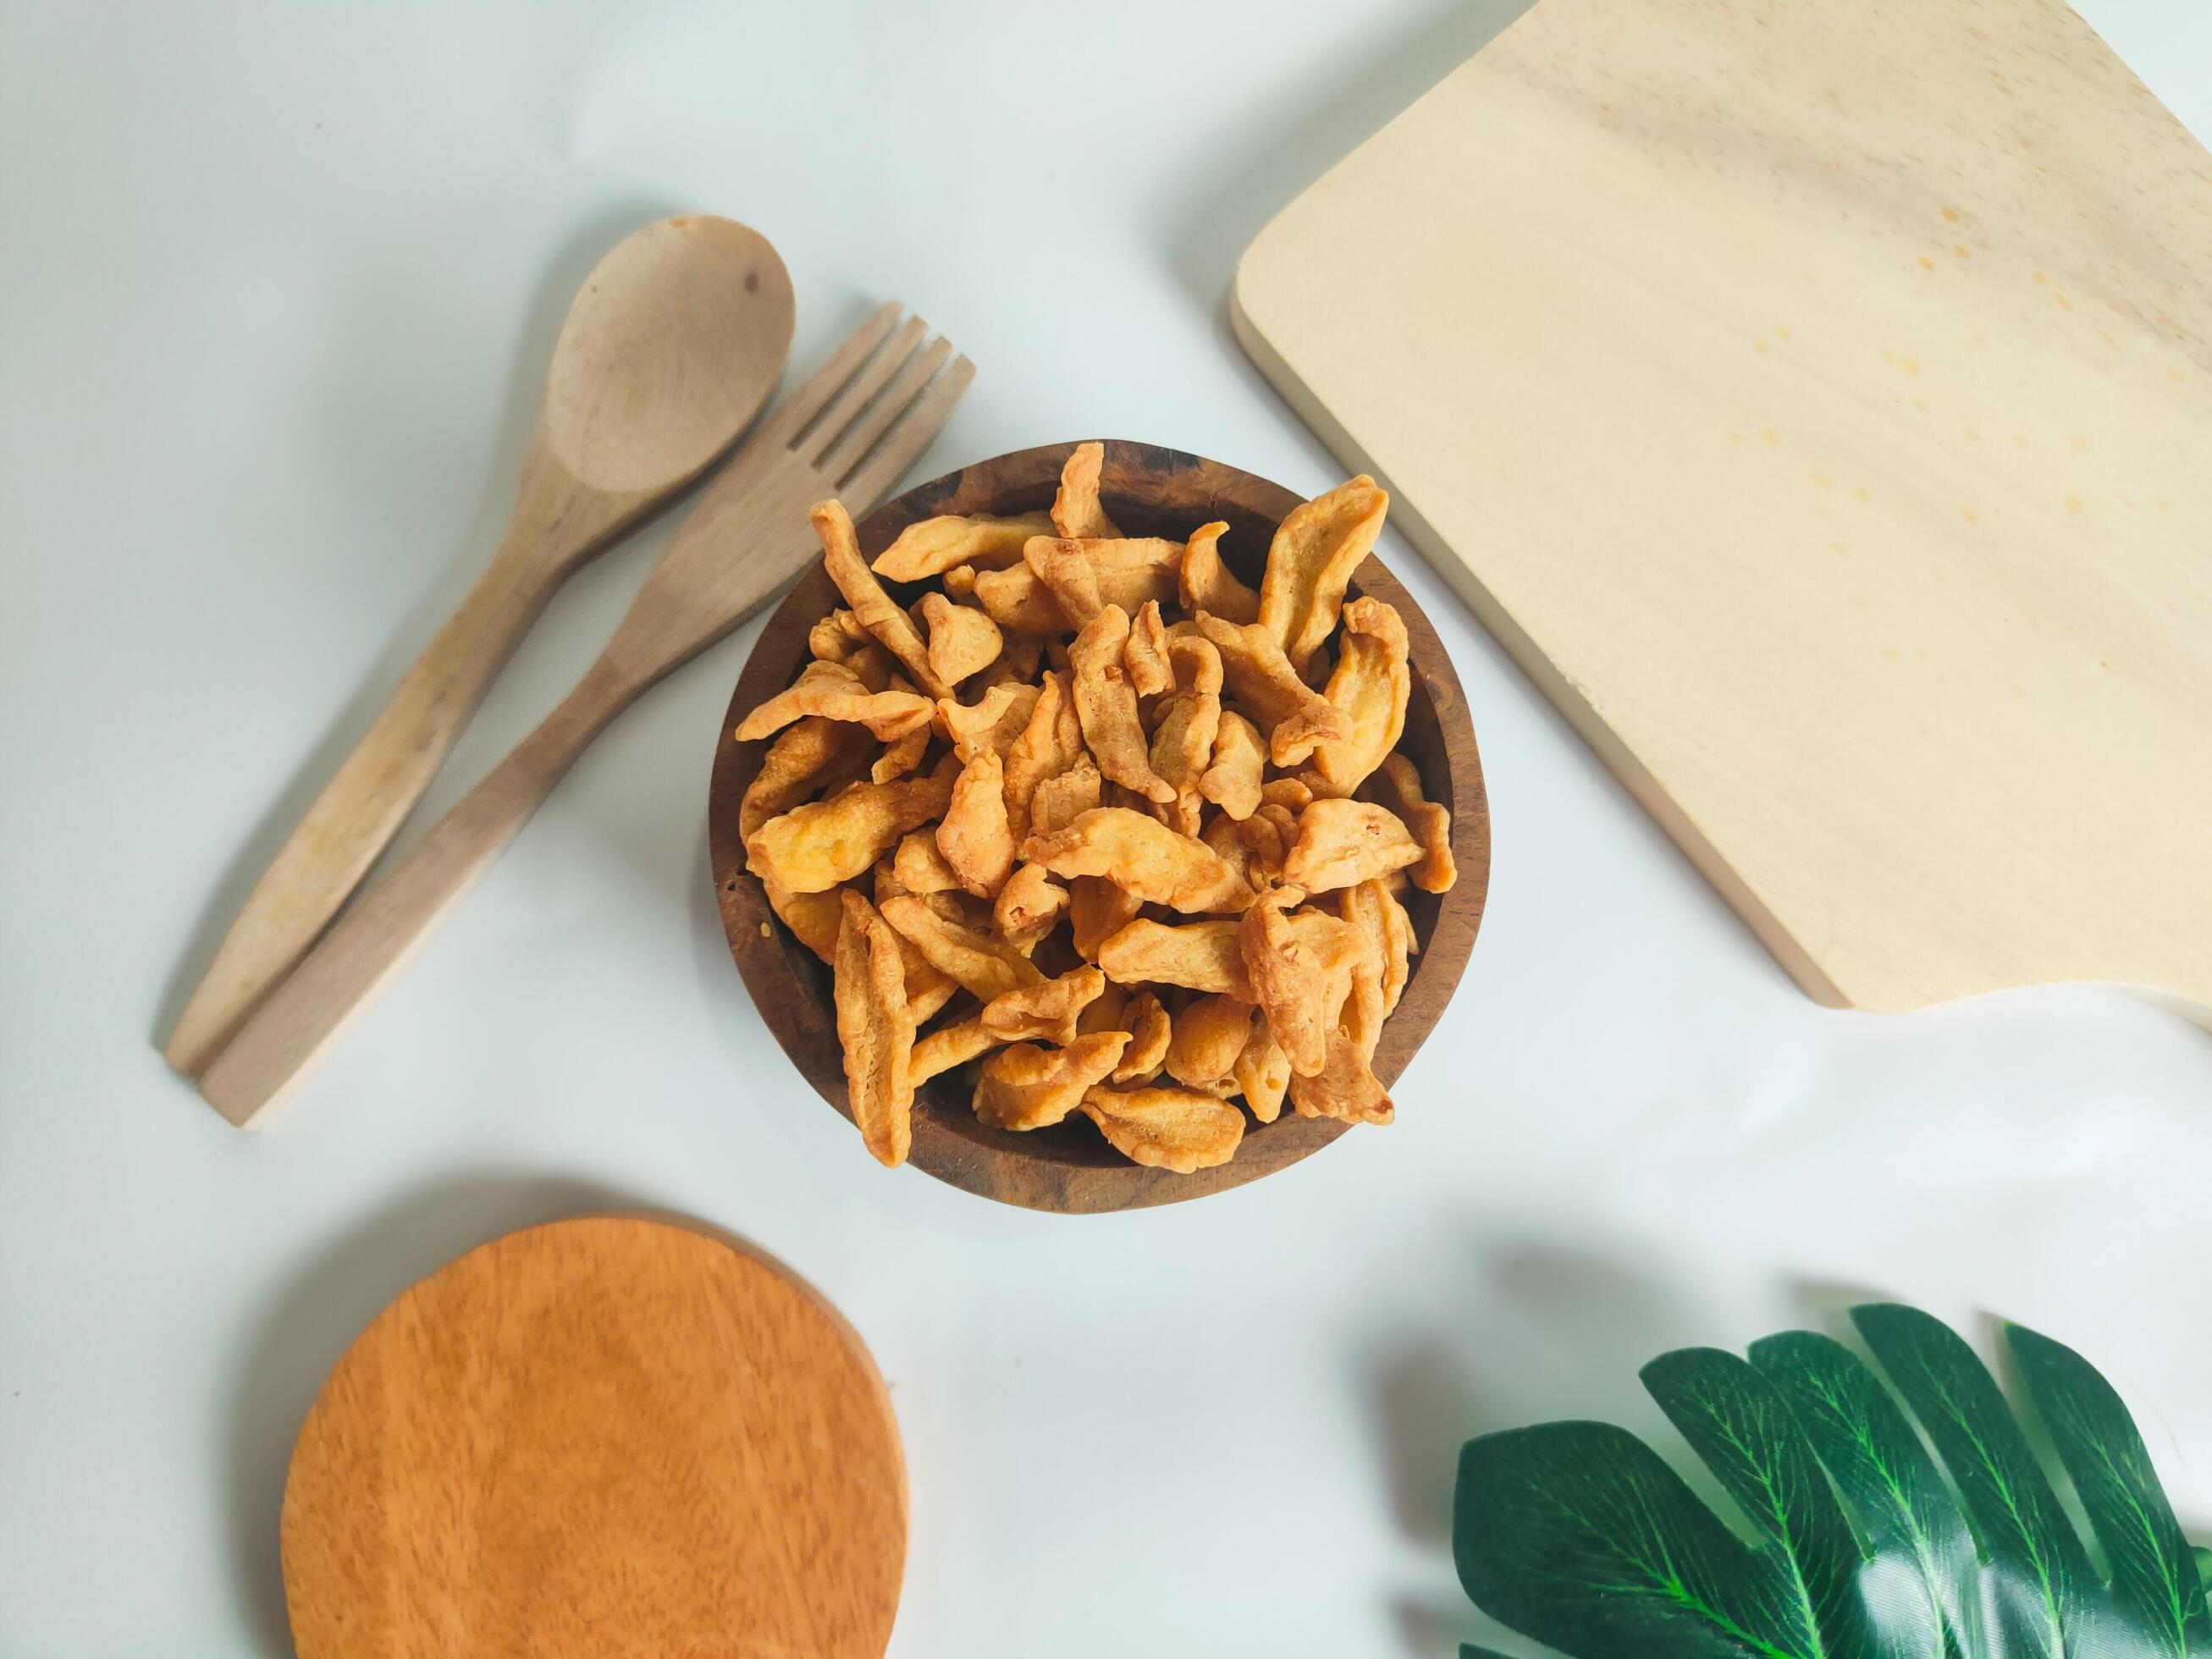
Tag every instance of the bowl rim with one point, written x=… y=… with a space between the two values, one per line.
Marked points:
x=786 y=980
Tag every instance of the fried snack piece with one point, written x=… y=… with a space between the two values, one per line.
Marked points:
x=1044 y=1013
x=1268 y=835
x=1371 y=683
x=963 y=641
x=1148 y=860
x=1029 y=907
x=1209 y=1035
x=1105 y=1013
x=932 y=546
x=1026 y=1087
x=1346 y=1086
x=946 y=1047
x=1204 y=956
x=1299 y=974
x=927 y=990
x=816 y=846
x=1397 y=785
x=1310 y=564
x=1059 y=801
x=1387 y=932
x=1180 y=1129
x=1096 y=910
x=1262 y=1073
x=974 y=836
x=990 y=724
x=1145 y=656
x=1226 y=837
x=1149 y=1033
x=901 y=759
x=959 y=583
x=1051 y=743
x=1020 y=657
x=1065 y=568
x=1130 y=571
x=813 y=753
x=1187 y=723
x=1289 y=793
x=1232 y=780
x=979 y=961
x=919 y=866
x=1075 y=510
x=1296 y=718
x=836 y=637
x=1342 y=842
x=832 y=690
x=1106 y=704
x=875 y=611
x=813 y=918
x=875 y=1028
x=1206 y=583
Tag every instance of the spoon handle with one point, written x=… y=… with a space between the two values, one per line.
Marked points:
x=363 y=806
x=280 y=1041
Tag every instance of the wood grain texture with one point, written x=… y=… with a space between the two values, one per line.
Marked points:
x=1813 y=400
x=745 y=537
x=606 y=1436
x=672 y=345
x=1148 y=491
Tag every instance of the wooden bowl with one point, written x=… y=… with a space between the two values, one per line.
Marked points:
x=1150 y=491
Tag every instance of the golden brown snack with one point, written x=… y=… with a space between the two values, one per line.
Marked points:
x=876 y=1028
x=1106 y=1013
x=1262 y=1073
x=819 y=845
x=1149 y=1032
x=831 y=690
x=813 y=918
x=1044 y=1013
x=1209 y=1035
x=1050 y=745
x=1232 y=780
x=981 y=964
x=1106 y=705
x=1058 y=802
x=1397 y=785
x=837 y=638
x=1096 y=910
x=959 y=583
x=963 y=641
x=1296 y=717
x=1346 y=1086
x=919 y=866
x=1372 y=680
x=950 y=1046
x=1065 y=568
x=974 y=838
x=1299 y=974
x=1387 y=932
x=1145 y=859
x=811 y=755
x=1130 y=571
x=1204 y=956
x=1342 y=842
x=1206 y=583
x=1310 y=565
x=991 y=724
x=1029 y=907
x=1180 y=1129
x=934 y=546
x=1289 y=793
x=1025 y=1087
x=875 y=611
x=1075 y=510
x=1268 y=835
x=901 y=759
x=1145 y=656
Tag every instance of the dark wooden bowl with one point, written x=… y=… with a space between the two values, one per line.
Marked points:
x=1150 y=492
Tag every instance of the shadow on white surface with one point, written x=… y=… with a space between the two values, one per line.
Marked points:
x=577 y=253
x=317 y=1319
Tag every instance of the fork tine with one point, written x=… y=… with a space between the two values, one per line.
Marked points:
x=861 y=438
x=906 y=441
x=853 y=397
x=790 y=416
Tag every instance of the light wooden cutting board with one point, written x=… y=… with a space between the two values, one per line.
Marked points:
x=1816 y=398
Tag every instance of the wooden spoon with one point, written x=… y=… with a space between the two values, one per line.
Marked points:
x=850 y=432
x=675 y=340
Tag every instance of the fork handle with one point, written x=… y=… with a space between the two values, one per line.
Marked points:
x=343 y=974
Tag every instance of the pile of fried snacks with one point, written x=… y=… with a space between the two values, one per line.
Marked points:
x=1095 y=819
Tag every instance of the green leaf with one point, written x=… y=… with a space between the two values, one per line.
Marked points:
x=2155 y=1581
x=1925 y=1605
x=1581 y=1536
x=1735 y=1421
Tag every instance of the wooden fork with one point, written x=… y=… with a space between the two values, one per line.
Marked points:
x=850 y=432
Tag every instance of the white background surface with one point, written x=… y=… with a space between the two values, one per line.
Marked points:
x=278 y=286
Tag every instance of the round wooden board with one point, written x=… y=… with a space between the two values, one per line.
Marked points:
x=1150 y=491
x=604 y=1437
